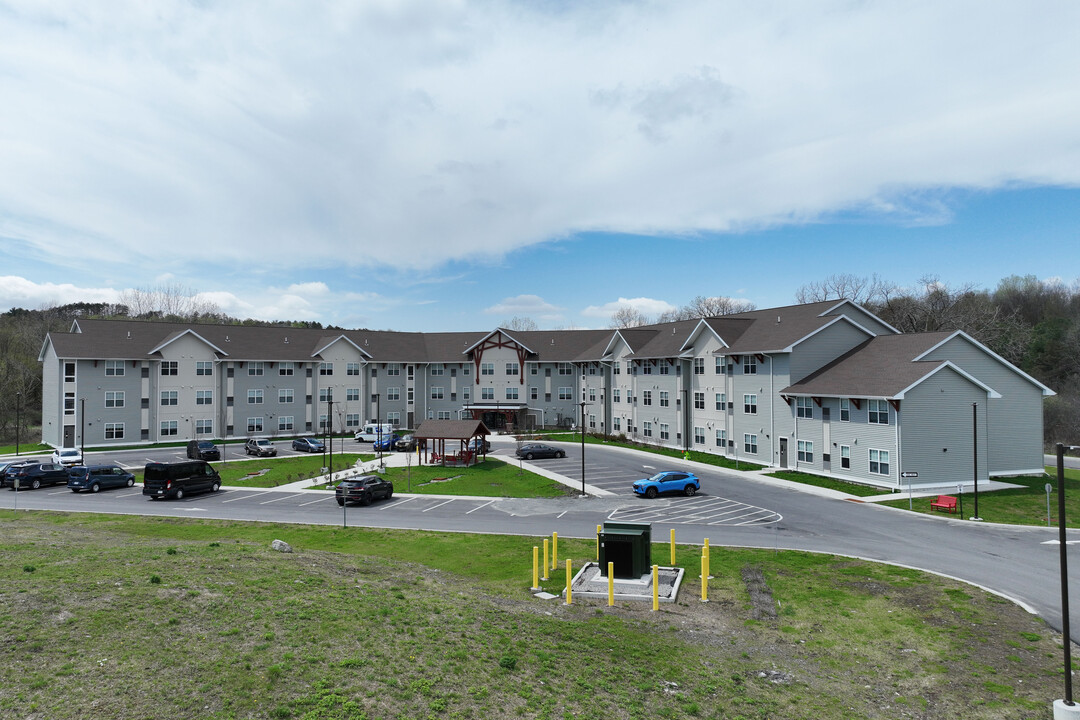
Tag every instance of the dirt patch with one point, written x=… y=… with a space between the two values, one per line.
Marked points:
x=763 y=606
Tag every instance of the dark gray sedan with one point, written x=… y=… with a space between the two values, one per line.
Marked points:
x=537 y=450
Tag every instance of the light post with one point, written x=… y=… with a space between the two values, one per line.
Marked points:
x=975 y=454
x=82 y=427
x=18 y=420
x=378 y=425
x=1066 y=640
x=330 y=436
x=583 y=404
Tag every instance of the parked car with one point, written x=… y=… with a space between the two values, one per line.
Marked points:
x=93 y=478
x=386 y=444
x=175 y=480
x=203 y=450
x=308 y=444
x=9 y=469
x=260 y=447
x=537 y=450
x=67 y=456
x=363 y=490
x=480 y=446
x=405 y=443
x=33 y=475
x=668 y=482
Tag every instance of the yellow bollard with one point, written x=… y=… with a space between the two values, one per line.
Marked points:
x=568 y=582
x=655 y=587
x=545 y=559
x=598 y=531
x=708 y=560
x=554 y=551
x=704 y=578
x=672 y=547
x=610 y=584
x=536 y=568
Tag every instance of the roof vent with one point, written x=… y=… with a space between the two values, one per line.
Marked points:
x=552 y=341
x=227 y=338
x=286 y=339
x=129 y=334
x=365 y=341
x=777 y=319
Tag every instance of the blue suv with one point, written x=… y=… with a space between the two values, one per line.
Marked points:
x=668 y=482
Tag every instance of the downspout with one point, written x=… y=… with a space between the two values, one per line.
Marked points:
x=899 y=456
x=772 y=412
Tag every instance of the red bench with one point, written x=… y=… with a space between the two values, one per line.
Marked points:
x=944 y=502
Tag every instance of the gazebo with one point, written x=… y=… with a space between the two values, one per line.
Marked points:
x=435 y=433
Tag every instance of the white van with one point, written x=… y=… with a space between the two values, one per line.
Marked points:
x=373 y=431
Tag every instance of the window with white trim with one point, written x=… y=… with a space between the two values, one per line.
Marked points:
x=646 y=369
x=170 y=397
x=877 y=412
x=566 y=368
x=749 y=365
x=615 y=395
x=511 y=368
x=804 y=407
x=169 y=428
x=750 y=404
x=353 y=369
x=69 y=403
x=437 y=369
x=616 y=424
x=326 y=368
x=286 y=368
x=665 y=367
x=566 y=393
x=511 y=393
x=409 y=395
x=699 y=435
x=646 y=428
x=845 y=409
x=845 y=456
x=169 y=367
x=750 y=443
x=393 y=369
x=204 y=427
x=721 y=401
x=285 y=395
x=204 y=368
x=255 y=368
x=592 y=394
x=443 y=415
x=114 y=398
x=436 y=393
x=394 y=418
x=879 y=462
x=699 y=366
x=353 y=394
x=255 y=397
x=721 y=365
x=325 y=395
x=721 y=438
x=392 y=393
x=114 y=368
x=646 y=397
x=806 y=451
x=487 y=393
x=285 y=423
x=114 y=431
x=699 y=401
x=204 y=397
x=665 y=399
x=665 y=433
x=352 y=420
x=69 y=371
x=487 y=368
x=534 y=393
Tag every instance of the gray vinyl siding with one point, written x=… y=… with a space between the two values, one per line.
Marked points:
x=936 y=430
x=864 y=319
x=824 y=347
x=93 y=385
x=52 y=372
x=1015 y=419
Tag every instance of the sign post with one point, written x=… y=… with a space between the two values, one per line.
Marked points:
x=909 y=474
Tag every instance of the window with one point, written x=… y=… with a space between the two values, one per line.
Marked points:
x=409 y=371
x=204 y=427
x=615 y=395
x=646 y=397
x=534 y=393
x=204 y=367
x=721 y=365
x=877 y=412
x=616 y=424
x=436 y=393
x=254 y=424
x=352 y=420
x=437 y=369
x=114 y=431
x=566 y=393
x=487 y=368
x=69 y=403
x=325 y=395
x=749 y=365
x=646 y=429
x=169 y=397
x=750 y=444
x=285 y=423
x=69 y=371
x=255 y=397
x=409 y=395
x=646 y=369
x=393 y=369
x=169 y=428
x=665 y=367
x=806 y=451
x=114 y=368
x=699 y=436
x=487 y=393
x=665 y=433
x=394 y=418
x=168 y=367
x=845 y=456
x=615 y=368
x=721 y=438
x=721 y=401
x=465 y=392
x=374 y=372
x=511 y=393
x=699 y=401
x=255 y=368
x=352 y=369
x=326 y=368
x=286 y=368
x=592 y=394
x=443 y=415
x=204 y=397
x=845 y=409
x=511 y=368
x=114 y=398
x=566 y=368
x=804 y=407
x=665 y=399
x=699 y=366
x=749 y=405
x=879 y=462
x=285 y=395
x=393 y=393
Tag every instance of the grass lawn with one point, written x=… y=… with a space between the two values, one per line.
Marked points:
x=122 y=617
x=832 y=484
x=707 y=458
x=1025 y=505
x=490 y=478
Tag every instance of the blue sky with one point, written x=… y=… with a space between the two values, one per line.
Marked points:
x=431 y=166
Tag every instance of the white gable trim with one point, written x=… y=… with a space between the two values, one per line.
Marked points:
x=359 y=349
x=829 y=324
x=688 y=344
x=497 y=331
x=194 y=334
x=857 y=305
x=990 y=392
x=1047 y=392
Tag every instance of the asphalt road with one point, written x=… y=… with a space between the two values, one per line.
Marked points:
x=1019 y=562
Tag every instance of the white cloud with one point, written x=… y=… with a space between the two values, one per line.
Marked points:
x=646 y=306
x=409 y=134
x=22 y=293
x=529 y=305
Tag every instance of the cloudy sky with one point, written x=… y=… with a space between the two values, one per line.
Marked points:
x=450 y=165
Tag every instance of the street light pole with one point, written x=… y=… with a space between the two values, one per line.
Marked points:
x=329 y=435
x=18 y=420
x=975 y=454
x=1066 y=641
x=583 y=404
x=82 y=428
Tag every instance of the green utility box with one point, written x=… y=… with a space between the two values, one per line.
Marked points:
x=627 y=545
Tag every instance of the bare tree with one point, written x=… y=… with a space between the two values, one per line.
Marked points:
x=173 y=302
x=628 y=317
x=702 y=307
x=519 y=322
x=845 y=286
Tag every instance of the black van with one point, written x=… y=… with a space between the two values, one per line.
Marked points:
x=175 y=480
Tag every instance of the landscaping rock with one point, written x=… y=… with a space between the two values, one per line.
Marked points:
x=281 y=546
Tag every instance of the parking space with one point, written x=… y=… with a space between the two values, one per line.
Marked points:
x=698 y=510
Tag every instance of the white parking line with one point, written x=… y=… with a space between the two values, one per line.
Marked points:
x=769 y=517
x=130 y=494
x=317 y=500
x=245 y=497
x=283 y=498
x=479 y=506
x=439 y=505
